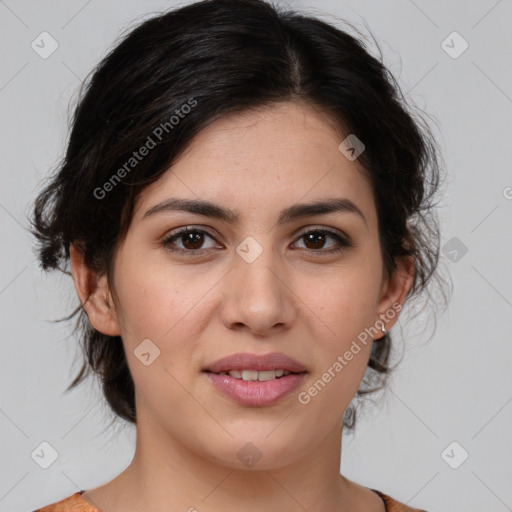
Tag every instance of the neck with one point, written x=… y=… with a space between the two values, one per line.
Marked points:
x=165 y=472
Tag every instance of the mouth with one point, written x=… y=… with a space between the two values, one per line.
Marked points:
x=256 y=380
x=255 y=375
x=261 y=363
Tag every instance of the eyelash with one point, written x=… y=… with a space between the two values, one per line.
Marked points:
x=344 y=243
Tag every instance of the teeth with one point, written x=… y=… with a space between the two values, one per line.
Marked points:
x=249 y=375
x=253 y=375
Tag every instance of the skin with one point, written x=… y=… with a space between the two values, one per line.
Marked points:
x=295 y=298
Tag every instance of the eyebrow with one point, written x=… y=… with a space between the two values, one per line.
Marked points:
x=296 y=211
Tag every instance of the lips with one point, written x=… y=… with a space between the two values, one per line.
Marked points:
x=255 y=380
x=255 y=362
x=253 y=375
x=256 y=393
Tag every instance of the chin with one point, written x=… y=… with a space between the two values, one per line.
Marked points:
x=256 y=453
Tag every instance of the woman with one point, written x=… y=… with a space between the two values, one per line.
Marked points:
x=245 y=205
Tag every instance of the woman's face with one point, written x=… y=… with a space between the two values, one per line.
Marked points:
x=255 y=285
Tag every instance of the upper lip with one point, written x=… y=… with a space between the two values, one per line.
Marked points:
x=262 y=362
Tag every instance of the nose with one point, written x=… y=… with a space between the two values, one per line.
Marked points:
x=258 y=297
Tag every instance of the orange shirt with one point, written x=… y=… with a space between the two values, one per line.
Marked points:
x=75 y=503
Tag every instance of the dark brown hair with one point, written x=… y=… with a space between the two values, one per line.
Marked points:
x=180 y=71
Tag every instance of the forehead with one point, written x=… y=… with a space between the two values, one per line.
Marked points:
x=265 y=158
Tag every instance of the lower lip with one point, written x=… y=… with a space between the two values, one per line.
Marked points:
x=256 y=393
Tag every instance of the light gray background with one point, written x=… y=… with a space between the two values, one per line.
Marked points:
x=455 y=387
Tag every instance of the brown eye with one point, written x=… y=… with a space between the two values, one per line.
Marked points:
x=315 y=240
x=191 y=240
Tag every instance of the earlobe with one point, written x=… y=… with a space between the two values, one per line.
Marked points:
x=94 y=294
x=394 y=291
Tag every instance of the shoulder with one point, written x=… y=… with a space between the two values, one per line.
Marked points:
x=393 y=505
x=73 y=503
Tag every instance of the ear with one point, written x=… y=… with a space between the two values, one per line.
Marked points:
x=94 y=294
x=394 y=291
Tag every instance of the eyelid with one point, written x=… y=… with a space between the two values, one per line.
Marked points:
x=343 y=239
x=300 y=232
x=177 y=232
x=319 y=227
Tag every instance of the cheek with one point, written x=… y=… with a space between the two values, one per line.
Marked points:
x=344 y=305
x=345 y=301
x=168 y=305
x=342 y=348
x=152 y=298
